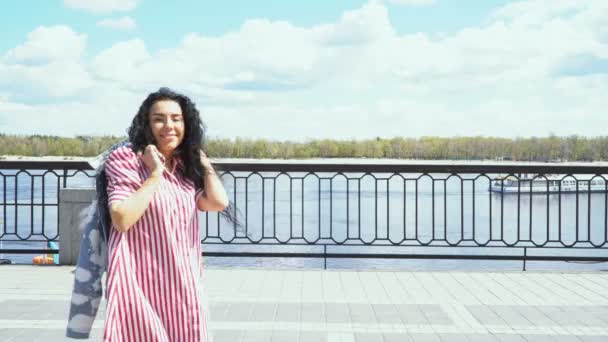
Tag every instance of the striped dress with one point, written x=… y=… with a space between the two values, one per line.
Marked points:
x=154 y=282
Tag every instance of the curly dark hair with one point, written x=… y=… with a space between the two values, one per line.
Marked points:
x=195 y=139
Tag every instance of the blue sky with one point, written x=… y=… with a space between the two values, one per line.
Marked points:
x=157 y=24
x=316 y=69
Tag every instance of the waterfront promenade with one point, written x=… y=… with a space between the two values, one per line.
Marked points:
x=335 y=305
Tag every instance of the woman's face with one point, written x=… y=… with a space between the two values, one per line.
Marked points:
x=167 y=125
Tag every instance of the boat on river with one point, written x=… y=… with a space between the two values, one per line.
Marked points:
x=548 y=184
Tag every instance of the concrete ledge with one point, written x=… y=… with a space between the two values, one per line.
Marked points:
x=71 y=202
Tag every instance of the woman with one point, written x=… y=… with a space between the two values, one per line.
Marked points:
x=155 y=186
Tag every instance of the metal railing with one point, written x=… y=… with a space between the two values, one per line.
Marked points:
x=362 y=210
x=29 y=191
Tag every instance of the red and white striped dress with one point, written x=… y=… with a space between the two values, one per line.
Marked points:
x=154 y=281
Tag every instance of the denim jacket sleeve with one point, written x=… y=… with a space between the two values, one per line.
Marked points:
x=87 y=291
x=92 y=258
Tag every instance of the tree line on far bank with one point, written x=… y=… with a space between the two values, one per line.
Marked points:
x=551 y=148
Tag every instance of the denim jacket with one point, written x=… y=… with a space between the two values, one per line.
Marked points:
x=92 y=258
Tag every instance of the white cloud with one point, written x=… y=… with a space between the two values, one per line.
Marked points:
x=46 y=44
x=102 y=6
x=124 y=23
x=48 y=64
x=120 y=63
x=40 y=82
x=356 y=77
x=412 y=2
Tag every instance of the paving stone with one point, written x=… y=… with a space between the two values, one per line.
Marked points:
x=510 y=338
x=435 y=314
x=386 y=313
x=592 y=338
x=257 y=336
x=337 y=313
x=453 y=337
x=395 y=337
x=312 y=312
x=312 y=336
x=239 y=312
x=265 y=312
x=361 y=313
x=368 y=337
x=33 y=310
x=481 y=338
x=485 y=315
x=288 y=312
x=284 y=336
x=511 y=316
x=533 y=314
x=227 y=335
x=411 y=314
x=419 y=337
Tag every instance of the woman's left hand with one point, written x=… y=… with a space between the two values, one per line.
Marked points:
x=204 y=160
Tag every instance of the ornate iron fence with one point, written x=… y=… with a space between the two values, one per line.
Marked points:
x=489 y=211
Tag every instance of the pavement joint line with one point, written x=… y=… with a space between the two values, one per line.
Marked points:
x=337 y=328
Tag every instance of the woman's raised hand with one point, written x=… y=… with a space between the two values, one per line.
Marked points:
x=205 y=162
x=153 y=159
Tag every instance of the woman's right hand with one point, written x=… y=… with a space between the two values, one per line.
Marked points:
x=153 y=159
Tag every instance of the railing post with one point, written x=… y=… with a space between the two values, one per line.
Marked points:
x=71 y=204
x=324 y=257
x=525 y=257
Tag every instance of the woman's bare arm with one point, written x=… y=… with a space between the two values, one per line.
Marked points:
x=214 y=198
x=127 y=212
